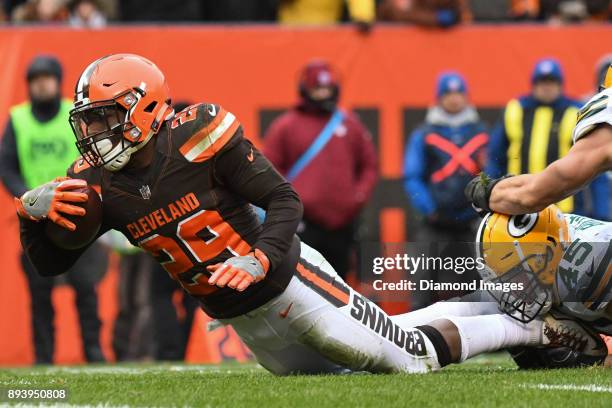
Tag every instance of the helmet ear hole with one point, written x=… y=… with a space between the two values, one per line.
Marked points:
x=150 y=107
x=121 y=112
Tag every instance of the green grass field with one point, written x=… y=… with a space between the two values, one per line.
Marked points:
x=491 y=381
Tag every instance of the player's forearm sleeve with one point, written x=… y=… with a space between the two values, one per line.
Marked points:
x=249 y=174
x=47 y=258
x=283 y=214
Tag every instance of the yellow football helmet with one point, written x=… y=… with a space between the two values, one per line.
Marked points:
x=524 y=250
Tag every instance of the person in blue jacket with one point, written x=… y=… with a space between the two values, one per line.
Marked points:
x=535 y=130
x=443 y=155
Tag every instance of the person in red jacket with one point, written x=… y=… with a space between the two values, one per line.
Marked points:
x=328 y=156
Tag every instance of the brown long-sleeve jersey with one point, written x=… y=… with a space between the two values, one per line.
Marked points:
x=191 y=207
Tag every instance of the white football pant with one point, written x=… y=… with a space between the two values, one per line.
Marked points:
x=320 y=325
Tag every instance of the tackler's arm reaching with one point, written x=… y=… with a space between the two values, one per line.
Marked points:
x=590 y=156
x=529 y=193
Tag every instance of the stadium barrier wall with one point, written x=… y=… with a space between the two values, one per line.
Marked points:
x=388 y=76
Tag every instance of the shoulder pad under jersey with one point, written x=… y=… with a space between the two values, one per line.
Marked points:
x=80 y=169
x=200 y=131
x=597 y=110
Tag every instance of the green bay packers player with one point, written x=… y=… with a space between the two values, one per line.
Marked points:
x=180 y=186
x=590 y=156
x=564 y=266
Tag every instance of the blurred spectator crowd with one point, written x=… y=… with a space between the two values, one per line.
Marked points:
x=429 y=13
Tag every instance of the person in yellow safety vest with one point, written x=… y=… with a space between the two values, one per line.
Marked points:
x=38 y=146
x=536 y=130
x=322 y=12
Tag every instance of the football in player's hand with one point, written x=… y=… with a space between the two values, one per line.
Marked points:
x=87 y=226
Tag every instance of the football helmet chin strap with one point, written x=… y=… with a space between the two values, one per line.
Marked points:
x=121 y=158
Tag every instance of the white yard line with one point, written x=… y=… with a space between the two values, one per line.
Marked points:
x=570 y=387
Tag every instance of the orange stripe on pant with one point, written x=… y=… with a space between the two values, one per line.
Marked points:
x=327 y=287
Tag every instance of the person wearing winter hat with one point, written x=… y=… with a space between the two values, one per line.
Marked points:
x=328 y=155
x=442 y=156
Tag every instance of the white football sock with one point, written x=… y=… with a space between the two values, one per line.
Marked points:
x=441 y=309
x=482 y=334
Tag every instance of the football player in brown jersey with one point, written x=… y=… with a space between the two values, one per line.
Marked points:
x=180 y=186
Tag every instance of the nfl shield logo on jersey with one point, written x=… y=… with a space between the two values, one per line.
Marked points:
x=145 y=192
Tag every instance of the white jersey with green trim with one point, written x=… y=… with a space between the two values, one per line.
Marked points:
x=598 y=110
x=584 y=276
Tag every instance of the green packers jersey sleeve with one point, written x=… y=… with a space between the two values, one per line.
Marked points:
x=597 y=111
